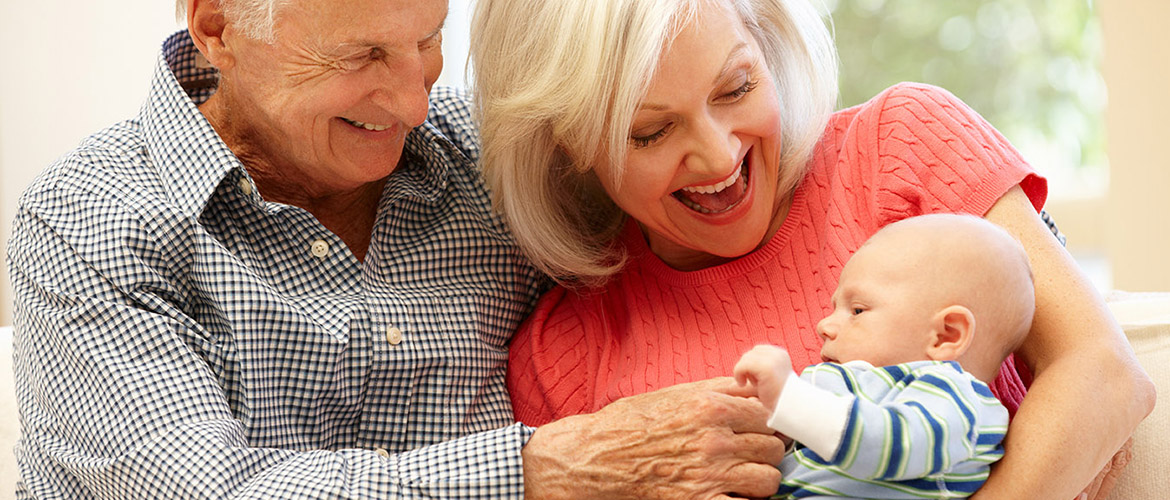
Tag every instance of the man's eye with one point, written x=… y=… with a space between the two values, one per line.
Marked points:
x=432 y=41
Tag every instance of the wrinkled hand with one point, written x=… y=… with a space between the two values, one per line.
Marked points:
x=700 y=441
x=1104 y=482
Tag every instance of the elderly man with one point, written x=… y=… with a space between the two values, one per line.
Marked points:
x=283 y=279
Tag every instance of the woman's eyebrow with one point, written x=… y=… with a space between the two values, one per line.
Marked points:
x=733 y=57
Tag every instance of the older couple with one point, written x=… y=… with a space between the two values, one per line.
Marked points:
x=285 y=277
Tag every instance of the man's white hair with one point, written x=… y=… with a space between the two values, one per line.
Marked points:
x=256 y=19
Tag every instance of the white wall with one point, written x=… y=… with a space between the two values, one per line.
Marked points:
x=73 y=67
x=1137 y=69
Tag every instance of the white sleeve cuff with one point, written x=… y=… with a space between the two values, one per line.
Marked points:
x=813 y=416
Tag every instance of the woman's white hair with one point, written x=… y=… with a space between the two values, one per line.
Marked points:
x=256 y=19
x=557 y=83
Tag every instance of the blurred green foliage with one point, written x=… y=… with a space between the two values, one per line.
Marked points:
x=1029 y=66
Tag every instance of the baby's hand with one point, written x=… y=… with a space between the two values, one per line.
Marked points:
x=766 y=367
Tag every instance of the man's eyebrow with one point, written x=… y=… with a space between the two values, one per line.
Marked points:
x=367 y=43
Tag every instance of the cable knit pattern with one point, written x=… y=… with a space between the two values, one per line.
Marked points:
x=911 y=150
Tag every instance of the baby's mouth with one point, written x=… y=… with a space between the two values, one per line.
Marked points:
x=717 y=198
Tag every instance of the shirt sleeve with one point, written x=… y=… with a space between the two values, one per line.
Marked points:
x=933 y=153
x=117 y=399
x=929 y=420
x=552 y=364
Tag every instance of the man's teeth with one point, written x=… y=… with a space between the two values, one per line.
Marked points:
x=715 y=188
x=367 y=126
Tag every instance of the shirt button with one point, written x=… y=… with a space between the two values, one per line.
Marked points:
x=393 y=335
x=245 y=186
x=382 y=453
x=319 y=249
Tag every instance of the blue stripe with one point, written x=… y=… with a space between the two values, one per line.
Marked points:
x=845 y=376
x=896 y=432
x=895 y=371
x=989 y=438
x=936 y=430
x=983 y=390
x=939 y=382
x=850 y=430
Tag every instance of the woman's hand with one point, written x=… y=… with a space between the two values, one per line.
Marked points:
x=702 y=440
x=1088 y=388
x=1103 y=484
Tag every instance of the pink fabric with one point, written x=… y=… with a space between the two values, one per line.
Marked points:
x=913 y=149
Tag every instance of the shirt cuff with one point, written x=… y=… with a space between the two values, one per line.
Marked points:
x=813 y=416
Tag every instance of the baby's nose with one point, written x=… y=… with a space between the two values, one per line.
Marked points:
x=825 y=328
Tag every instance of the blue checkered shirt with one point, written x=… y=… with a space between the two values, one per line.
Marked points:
x=179 y=337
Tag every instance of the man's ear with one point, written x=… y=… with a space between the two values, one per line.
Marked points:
x=952 y=330
x=207 y=23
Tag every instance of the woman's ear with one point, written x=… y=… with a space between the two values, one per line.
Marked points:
x=953 y=329
x=206 y=23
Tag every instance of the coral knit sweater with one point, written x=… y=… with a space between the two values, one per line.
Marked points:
x=911 y=150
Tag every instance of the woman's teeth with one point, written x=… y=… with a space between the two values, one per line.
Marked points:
x=716 y=198
x=715 y=188
x=367 y=126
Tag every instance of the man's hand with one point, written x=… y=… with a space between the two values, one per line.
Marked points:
x=701 y=441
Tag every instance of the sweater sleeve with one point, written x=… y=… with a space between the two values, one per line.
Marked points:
x=935 y=154
x=552 y=365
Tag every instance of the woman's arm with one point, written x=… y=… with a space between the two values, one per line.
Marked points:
x=1089 y=392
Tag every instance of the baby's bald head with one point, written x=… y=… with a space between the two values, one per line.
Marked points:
x=968 y=261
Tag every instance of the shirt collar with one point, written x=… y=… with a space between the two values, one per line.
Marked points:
x=192 y=160
x=188 y=154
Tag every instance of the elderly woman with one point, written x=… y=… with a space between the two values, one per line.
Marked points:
x=676 y=164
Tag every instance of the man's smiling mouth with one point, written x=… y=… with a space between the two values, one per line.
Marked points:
x=367 y=126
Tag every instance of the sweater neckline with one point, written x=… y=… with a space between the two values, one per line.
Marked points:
x=641 y=255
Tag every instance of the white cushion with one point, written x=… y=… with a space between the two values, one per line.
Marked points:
x=1145 y=317
x=9 y=420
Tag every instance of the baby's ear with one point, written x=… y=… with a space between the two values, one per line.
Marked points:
x=952 y=330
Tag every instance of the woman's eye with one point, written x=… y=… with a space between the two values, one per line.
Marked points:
x=743 y=90
x=643 y=141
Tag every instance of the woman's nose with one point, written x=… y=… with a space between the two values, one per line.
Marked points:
x=715 y=147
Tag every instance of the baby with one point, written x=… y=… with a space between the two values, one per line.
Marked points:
x=924 y=314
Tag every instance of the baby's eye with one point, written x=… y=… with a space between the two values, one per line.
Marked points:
x=857 y=310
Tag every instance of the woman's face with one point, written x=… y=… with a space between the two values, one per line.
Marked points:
x=704 y=151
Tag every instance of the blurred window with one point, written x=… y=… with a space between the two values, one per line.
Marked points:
x=1031 y=67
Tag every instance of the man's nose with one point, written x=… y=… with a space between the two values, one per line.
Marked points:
x=402 y=89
